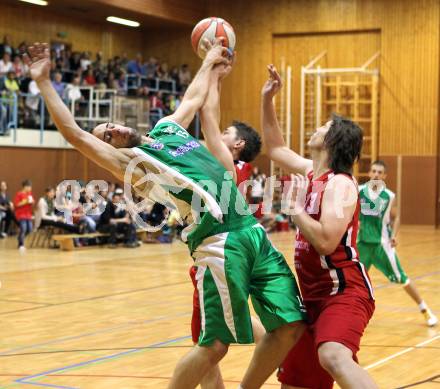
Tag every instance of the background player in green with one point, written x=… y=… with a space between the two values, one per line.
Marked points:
x=377 y=239
x=232 y=252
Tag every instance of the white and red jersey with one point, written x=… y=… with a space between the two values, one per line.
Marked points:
x=321 y=276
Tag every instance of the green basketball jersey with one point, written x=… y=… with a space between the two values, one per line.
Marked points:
x=375 y=215
x=194 y=182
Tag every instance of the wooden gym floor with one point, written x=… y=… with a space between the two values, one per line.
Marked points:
x=103 y=318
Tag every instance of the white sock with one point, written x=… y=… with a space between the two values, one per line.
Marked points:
x=423 y=306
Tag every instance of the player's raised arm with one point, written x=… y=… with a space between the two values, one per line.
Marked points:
x=197 y=91
x=210 y=118
x=103 y=154
x=276 y=147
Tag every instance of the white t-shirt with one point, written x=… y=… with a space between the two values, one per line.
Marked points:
x=5 y=67
x=257 y=187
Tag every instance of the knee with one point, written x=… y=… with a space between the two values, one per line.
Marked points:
x=333 y=359
x=290 y=332
x=217 y=351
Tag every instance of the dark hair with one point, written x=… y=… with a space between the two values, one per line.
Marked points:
x=252 y=141
x=26 y=183
x=343 y=142
x=380 y=163
x=49 y=189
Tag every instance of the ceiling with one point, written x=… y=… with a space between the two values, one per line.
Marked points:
x=149 y=17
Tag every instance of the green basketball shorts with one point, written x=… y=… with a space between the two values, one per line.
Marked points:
x=230 y=267
x=383 y=257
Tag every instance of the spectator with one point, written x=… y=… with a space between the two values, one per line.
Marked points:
x=163 y=73
x=33 y=100
x=184 y=76
x=58 y=85
x=124 y=60
x=23 y=202
x=5 y=64
x=116 y=219
x=151 y=68
x=6 y=46
x=135 y=66
x=174 y=75
x=11 y=83
x=120 y=84
x=45 y=214
x=156 y=100
x=6 y=210
x=257 y=182
x=170 y=104
x=22 y=47
x=85 y=61
x=19 y=67
x=75 y=62
x=112 y=83
x=73 y=91
x=89 y=77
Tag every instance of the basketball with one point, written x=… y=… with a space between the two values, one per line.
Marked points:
x=211 y=28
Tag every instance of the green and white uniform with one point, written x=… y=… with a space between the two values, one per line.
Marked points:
x=374 y=243
x=233 y=255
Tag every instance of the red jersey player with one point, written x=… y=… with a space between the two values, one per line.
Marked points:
x=335 y=286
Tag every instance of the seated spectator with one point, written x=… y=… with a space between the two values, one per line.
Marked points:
x=21 y=49
x=120 y=84
x=143 y=91
x=6 y=210
x=170 y=104
x=45 y=215
x=156 y=100
x=89 y=77
x=11 y=83
x=73 y=91
x=116 y=219
x=257 y=182
x=112 y=83
x=19 y=67
x=6 y=46
x=174 y=75
x=163 y=73
x=23 y=202
x=135 y=66
x=184 y=76
x=58 y=85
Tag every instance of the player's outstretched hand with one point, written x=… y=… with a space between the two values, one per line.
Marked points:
x=224 y=69
x=38 y=60
x=215 y=52
x=273 y=85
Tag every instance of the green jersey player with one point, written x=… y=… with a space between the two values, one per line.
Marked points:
x=377 y=239
x=234 y=257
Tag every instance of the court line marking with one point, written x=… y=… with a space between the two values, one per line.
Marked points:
x=390 y=284
x=87 y=334
x=398 y=354
x=96 y=297
x=24 y=380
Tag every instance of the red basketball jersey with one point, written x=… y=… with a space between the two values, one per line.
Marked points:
x=243 y=170
x=320 y=276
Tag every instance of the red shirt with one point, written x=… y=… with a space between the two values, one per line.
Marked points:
x=243 y=170
x=320 y=276
x=23 y=212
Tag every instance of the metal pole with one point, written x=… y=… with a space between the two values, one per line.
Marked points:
x=302 y=113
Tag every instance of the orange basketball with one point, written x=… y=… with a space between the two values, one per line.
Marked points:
x=211 y=28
